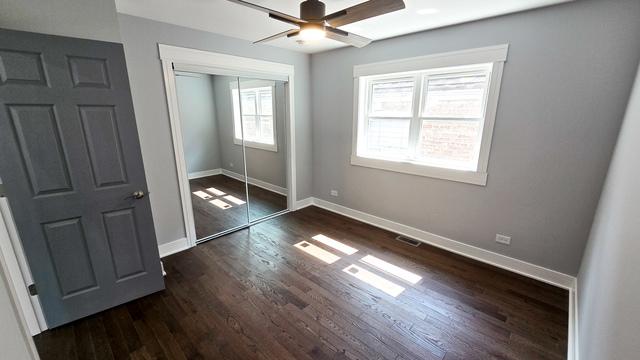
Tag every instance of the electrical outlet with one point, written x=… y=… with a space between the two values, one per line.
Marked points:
x=503 y=239
x=334 y=192
x=230 y=164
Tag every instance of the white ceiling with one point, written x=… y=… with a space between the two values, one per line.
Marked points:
x=223 y=17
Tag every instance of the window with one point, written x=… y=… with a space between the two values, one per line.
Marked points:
x=258 y=119
x=430 y=116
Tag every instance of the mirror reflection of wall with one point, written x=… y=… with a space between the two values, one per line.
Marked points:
x=225 y=121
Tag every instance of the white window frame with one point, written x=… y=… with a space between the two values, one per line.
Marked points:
x=252 y=85
x=491 y=58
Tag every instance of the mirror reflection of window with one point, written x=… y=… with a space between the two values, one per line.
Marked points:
x=257 y=113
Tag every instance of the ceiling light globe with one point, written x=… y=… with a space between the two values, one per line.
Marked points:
x=312 y=33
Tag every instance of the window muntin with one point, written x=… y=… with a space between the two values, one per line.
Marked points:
x=258 y=118
x=432 y=118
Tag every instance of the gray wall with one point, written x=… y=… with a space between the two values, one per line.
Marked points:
x=264 y=165
x=140 y=38
x=564 y=91
x=609 y=297
x=89 y=19
x=199 y=126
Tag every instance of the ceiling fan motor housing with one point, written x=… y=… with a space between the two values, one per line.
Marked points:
x=312 y=10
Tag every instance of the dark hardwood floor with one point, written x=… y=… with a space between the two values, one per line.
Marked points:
x=210 y=219
x=253 y=295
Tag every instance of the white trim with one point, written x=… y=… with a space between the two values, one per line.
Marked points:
x=497 y=53
x=470 y=177
x=492 y=58
x=18 y=271
x=231 y=63
x=257 y=145
x=191 y=74
x=204 y=173
x=256 y=182
x=489 y=257
x=573 y=343
x=216 y=63
x=304 y=203
x=173 y=247
x=16 y=303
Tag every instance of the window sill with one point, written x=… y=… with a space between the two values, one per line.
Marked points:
x=469 y=177
x=255 y=145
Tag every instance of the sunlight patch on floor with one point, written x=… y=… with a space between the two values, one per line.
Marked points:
x=317 y=252
x=202 y=195
x=234 y=200
x=344 y=248
x=221 y=204
x=215 y=191
x=374 y=280
x=391 y=269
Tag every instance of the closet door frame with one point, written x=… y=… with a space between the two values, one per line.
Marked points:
x=185 y=59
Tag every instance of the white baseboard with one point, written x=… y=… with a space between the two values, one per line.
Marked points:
x=301 y=204
x=502 y=261
x=256 y=182
x=204 y=173
x=173 y=247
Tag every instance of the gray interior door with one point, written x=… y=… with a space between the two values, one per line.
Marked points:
x=70 y=161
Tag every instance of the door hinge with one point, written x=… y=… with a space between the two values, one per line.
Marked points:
x=33 y=291
x=173 y=66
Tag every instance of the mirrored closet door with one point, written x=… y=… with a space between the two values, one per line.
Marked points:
x=263 y=124
x=234 y=142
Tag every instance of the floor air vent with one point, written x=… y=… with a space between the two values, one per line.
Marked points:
x=408 y=240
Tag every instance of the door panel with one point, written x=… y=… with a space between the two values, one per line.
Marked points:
x=124 y=243
x=67 y=245
x=100 y=130
x=36 y=130
x=89 y=72
x=70 y=160
x=21 y=67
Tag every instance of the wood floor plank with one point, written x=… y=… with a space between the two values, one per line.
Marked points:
x=253 y=295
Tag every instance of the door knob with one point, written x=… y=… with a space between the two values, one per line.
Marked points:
x=138 y=194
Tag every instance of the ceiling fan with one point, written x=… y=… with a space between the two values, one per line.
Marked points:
x=313 y=24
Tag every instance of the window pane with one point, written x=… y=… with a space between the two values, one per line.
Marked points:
x=266 y=102
x=388 y=137
x=392 y=98
x=449 y=143
x=248 y=102
x=266 y=130
x=460 y=96
x=250 y=129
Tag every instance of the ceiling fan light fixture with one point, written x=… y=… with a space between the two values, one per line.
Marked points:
x=314 y=24
x=311 y=32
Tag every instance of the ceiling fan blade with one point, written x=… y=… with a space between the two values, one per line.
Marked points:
x=363 y=11
x=272 y=13
x=287 y=33
x=346 y=37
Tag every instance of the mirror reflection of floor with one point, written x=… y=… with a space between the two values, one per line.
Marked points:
x=224 y=209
